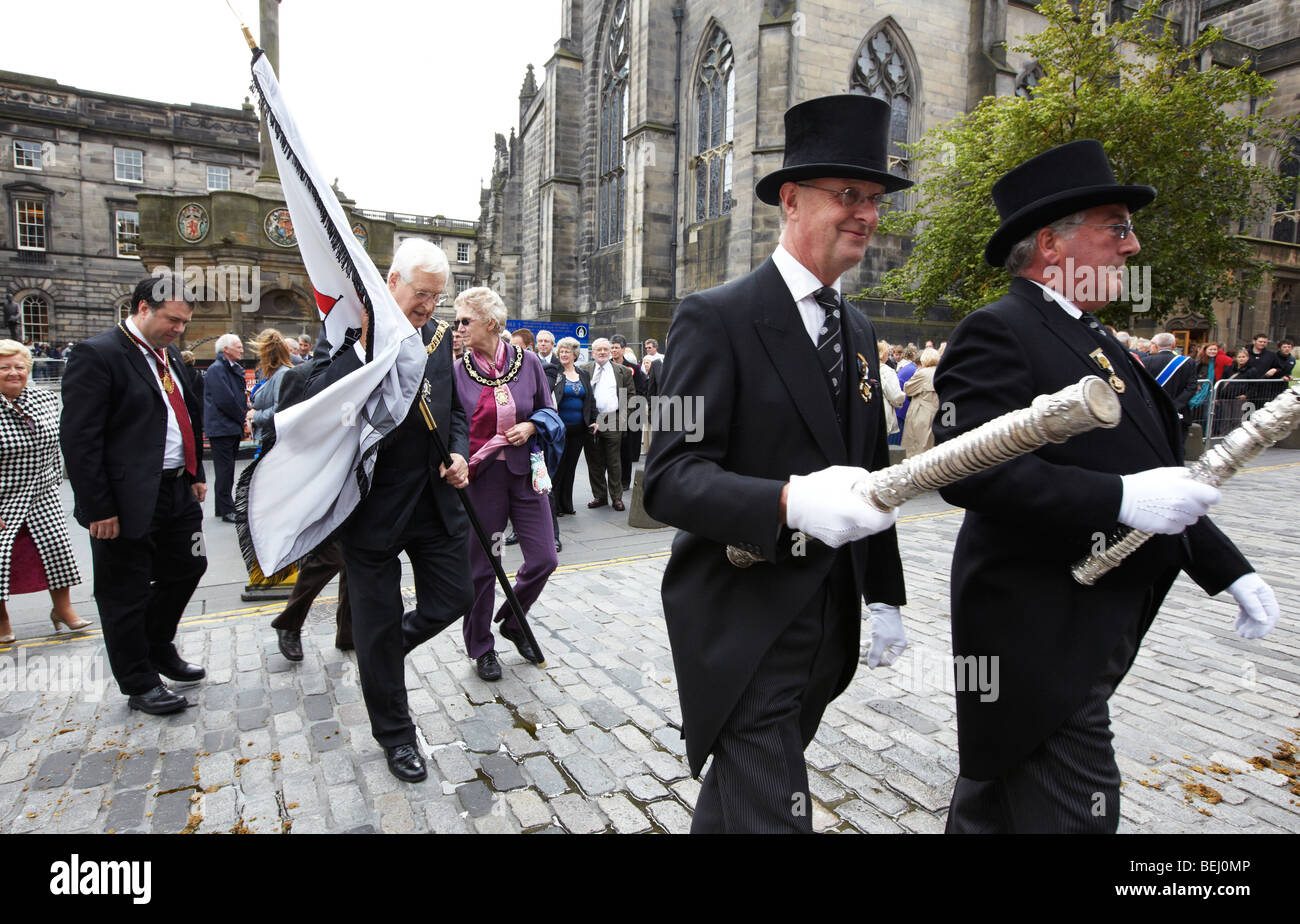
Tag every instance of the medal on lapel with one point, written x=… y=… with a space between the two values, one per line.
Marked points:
x=864 y=385
x=1100 y=359
x=502 y=395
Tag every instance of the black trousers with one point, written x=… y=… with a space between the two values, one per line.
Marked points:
x=314 y=572
x=605 y=464
x=629 y=453
x=758 y=781
x=443 y=593
x=1068 y=785
x=223 y=467
x=143 y=585
x=575 y=437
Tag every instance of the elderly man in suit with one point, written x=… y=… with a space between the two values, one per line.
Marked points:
x=225 y=409
x=1037 y=757
x=610 y=383
x=411 y=506
x=1175 y=374
x=132 y=437
x=785 y=376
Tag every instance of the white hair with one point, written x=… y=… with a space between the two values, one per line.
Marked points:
x=1022 y=254
x=225 y=340
x=415 y=253
x=1164 y=340
x=485 y=304
x=544 y=333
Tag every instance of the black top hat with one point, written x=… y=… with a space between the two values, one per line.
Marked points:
x=838 y=136
x=1059 y=182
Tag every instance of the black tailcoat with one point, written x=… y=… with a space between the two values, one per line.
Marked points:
x=764 y=412
x=1029 y=519
x=114 y=429
x=1181 y=386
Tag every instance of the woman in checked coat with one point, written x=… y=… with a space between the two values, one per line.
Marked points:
x=34 y=550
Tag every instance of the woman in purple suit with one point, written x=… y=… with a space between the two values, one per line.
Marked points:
x=500 y=387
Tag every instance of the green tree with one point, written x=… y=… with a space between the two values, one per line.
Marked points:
x=1164 y=122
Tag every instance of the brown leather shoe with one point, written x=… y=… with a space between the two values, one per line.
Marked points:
x=592 y=505
x=618 y=505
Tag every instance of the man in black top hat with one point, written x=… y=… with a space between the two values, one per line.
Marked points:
x=1036 y=757
x=785 y=376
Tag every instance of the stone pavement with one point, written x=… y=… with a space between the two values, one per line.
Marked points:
x=1205 y=724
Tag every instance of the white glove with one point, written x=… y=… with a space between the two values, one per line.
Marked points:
x=888 y=640
x=1257 y=607
x=825 y=506
x=1164 y=500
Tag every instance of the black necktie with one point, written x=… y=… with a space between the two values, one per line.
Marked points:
x=829 y=350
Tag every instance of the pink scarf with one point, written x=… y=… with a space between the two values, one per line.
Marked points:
x=490 y=421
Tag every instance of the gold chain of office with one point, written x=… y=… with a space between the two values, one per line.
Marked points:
x=486 y=382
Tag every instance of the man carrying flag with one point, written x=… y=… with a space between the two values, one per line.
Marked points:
x=390 y=362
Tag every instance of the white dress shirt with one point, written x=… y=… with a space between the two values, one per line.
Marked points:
x=174 y=448
x=802 y=284
x=604 y=387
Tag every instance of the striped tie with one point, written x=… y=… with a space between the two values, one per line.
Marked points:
x=829 y=350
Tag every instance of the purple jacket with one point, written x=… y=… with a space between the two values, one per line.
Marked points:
x=530 y=391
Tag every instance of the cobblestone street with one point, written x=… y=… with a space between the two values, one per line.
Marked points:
x=1205 y=724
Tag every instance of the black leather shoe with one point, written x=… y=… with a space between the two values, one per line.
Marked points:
x=512 y=539
x=559 y=546
x=229 y=518
x=522 y=645
x=618 y=505
x=290 y=643
x=181 y=671
x=406 y=763
x=489 y=668
x=158 y=701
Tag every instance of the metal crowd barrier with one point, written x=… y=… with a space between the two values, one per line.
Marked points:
x=1233 y=400
x=47 y=371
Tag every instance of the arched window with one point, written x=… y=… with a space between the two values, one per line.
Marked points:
x=613 y=128
x=122 y=308
x=884 y=69
x=1286 y=217
x=715 y=100
x=36 y=318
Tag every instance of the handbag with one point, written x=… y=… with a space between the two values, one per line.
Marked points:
x=537 y=468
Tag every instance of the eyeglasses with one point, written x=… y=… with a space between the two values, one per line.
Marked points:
x=1121 y=231
x=464 y=322
x=850 y=197
x=438 y=298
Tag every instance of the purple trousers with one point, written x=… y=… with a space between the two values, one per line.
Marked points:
x=499 y=495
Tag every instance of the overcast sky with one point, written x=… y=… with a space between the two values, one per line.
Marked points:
x=400 y=99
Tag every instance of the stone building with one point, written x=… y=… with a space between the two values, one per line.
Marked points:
x=72 y=162
x=628 y=181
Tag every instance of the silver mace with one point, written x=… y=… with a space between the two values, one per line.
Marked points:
x=1270 y=424
x=1086 y=405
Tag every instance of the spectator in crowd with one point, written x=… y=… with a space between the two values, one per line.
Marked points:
x=225 y=410
x=893 y=392
x=630 y=451
x=610 y=383
x=577 y=406
x=895 y=356
x=501 y=387
x=1285 y=360
x=272 y=363
x=923 y=404
x=1262 y=363
x=546 y=353
x=906 y=368
x=304 y=347
x=35 y=553
x=651 y=355
x=1175 y=374
x=1207 y=375
x=525 y=337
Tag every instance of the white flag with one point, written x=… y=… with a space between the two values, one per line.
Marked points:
x=310 y=480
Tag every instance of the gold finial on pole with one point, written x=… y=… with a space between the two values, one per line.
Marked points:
x=248 y=36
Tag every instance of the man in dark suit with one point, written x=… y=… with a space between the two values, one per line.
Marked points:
x=132 y=438
x=630 y=451
x=611 y=382
x=411 y=506
x=1175 y=374
x=225 y=409
x=786 y=380
x=1036 y=756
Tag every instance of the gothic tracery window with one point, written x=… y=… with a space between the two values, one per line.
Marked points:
x=613 y=127
x=715 y=102
x=882 y=70
x=1286 y=216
